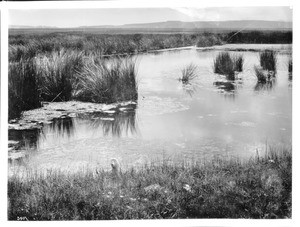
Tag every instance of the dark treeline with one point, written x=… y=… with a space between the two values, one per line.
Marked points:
x=260 y=37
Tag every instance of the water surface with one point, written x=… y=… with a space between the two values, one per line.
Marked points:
x=203 y=120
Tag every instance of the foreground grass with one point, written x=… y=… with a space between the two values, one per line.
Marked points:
x=257 y=188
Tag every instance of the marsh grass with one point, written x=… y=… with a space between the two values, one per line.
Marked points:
x=108 y=81
x=22 y=87
x=290 y=65
x=188 y=73
x=224 y=65
x=256 y=188
x=260 y=74
x=122 y=123
x=238 y=63
x=57 y=74
x=268 y=60
x=65 y=75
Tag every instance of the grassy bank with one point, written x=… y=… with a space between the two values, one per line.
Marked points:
x=257 y=188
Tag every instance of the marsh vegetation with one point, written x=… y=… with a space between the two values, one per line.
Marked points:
x=227 y=65
x=188 y=73
x=219 y=177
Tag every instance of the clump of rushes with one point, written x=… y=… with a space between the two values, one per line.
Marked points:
x=261 y=77
x=22 y=87
x=108 y=81
x=224 y=64
x=189 y=73
x=57 y=73
x=259 y=188
x=238 y=63
x=290 y=65
x=268 y=60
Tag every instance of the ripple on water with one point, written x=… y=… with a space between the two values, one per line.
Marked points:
x=154 y=105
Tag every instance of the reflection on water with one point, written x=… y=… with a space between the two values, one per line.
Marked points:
x=62 y=126
x=175 y=121
x=26 y=138
x=290 y=76
x=117 y=125
x=190 y=89
x=267 y=86
x=225 y=86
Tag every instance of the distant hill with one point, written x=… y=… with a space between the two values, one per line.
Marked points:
x=164 y=27
x=196 y=25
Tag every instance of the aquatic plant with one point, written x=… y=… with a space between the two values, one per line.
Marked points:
x=23 y=89
x=263 y=76
x=188 y=73
x=108 y=81
x=290 y=67
x=268 y=60
x=57 y=72
x=238 y=63
x=260 y=187
x=260 y=74
x=224 y=64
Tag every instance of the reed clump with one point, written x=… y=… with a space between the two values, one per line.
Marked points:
x=57 y=74
x=238 y=62
x=227 y=65
x=290 y=66
x=23 y=90
x=108 y=81
x=188 y=73
x=268 y=60
x=260 y=74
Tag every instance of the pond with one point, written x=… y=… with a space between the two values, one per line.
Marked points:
x=205 y=119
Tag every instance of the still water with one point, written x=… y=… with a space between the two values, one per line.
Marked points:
x=172 y=121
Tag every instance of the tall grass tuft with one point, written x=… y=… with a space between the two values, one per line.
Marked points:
x=22 y=87
x=188 y=73
x=268 y=60
x=238 y=63
x=260 y=74
x=290 y=65
x=224 y=64
x=57 y=72
x=108 y=81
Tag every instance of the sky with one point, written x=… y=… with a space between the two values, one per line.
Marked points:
x=118 y=16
